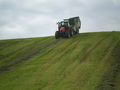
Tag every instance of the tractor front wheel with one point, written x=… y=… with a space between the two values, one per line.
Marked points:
x=57 y=35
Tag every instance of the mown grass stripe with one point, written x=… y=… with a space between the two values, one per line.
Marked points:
x=6 y=67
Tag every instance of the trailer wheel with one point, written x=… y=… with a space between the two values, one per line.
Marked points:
x=57 y=34
x=67 y=34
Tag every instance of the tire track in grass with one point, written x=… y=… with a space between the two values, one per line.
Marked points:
x=7 y=43
x=21 y=51
x=108 y=80
x=93 y=47
x=39 y=50
x=23 y=47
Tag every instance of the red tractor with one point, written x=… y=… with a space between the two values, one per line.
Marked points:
x=68 y=27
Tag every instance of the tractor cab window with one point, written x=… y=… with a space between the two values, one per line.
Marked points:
x=64 y=23
x=59 y=25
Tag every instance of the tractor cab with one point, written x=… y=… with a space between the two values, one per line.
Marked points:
x=63 y=24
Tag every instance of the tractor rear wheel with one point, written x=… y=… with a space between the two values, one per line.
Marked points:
x=57 y=35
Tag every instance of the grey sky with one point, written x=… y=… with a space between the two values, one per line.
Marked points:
x=33 y=18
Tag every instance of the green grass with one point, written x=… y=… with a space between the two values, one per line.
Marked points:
x=88 y=61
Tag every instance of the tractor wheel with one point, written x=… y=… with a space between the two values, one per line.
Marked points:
x=71 y=33
x=57 y=34
x=67 y=34
x=77 y=32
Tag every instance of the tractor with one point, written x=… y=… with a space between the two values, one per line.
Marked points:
x=68 y=27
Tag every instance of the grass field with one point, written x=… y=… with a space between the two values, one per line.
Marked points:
x=88 y=61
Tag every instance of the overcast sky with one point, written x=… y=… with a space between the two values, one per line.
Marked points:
x=36 y=18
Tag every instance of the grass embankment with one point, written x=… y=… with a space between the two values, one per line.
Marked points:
x=89 y=61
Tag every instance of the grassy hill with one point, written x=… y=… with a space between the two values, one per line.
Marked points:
x=88 y=61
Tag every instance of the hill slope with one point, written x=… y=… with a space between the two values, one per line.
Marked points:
x=89 y=61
